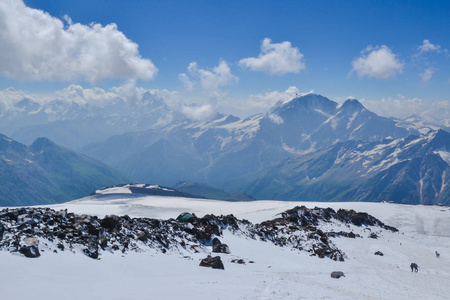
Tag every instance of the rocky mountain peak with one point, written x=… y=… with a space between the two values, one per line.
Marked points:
x=352 y=105
x=41 y=144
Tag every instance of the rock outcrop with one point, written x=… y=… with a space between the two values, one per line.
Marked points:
x=28 y=230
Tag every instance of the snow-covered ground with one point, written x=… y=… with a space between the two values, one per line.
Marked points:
x=277 y=273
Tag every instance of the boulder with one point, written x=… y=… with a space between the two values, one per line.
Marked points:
x=110 y=222
x=30 y=251
x=337 y=274
x=212 y=262
x=218 y=247
x=379 y=253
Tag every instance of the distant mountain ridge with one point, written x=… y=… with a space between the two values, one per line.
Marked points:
x=75 y=124
x=45 y=173
x=255 y=155
x=294 y=151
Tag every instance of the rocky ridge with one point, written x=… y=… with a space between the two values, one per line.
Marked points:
x=30 y=231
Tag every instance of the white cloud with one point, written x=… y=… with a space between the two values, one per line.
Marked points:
x=427 y=47
x=95 y=96
x=36 y=46
x=427 y=74
x=130 y=92
x=269 y=99
x=78 y=94
x=188 y=84
x=275 y=59
x=434 y=111
x=378 y=62
x=212 y=80
x=199 y=111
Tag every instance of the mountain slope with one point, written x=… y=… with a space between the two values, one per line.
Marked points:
x=227 y=147
x=413 y=170
x=47 y=173
x=265 y=271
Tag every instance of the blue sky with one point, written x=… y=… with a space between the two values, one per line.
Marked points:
x=372 y=50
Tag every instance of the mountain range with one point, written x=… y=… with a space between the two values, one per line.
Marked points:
x=45 y=173
x=309 y=148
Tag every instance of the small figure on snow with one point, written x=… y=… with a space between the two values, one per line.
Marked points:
x=414 y=267
x=437 y=254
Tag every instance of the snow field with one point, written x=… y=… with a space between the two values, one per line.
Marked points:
x=277 y=273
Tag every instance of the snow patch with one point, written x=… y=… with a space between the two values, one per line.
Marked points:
x=114 y=190
x=276 y=119
x=445 y=155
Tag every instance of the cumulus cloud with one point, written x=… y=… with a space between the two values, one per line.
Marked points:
x=378 y=62
x=428 y=47
x=210 y=82
x=427 y=74
x=275 y=59
x=36 y=46
x=130 y=92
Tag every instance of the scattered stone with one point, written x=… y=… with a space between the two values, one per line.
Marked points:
x=373 y=235
x=212 y=262
x=379 y=253
x=238 y=261
x=91 y=252
x=337 y=274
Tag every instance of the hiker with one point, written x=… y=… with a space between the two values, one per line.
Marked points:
x=412 y=267
x=437 y=254
x=416 y=267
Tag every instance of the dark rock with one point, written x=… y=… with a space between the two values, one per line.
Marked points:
x=373 y=235
x=203 y=232
x=30 y=251
x=60 y=246
x=110 y=222
x=212 y=262
x=91 y=252
x=238 y=261
x=218 y=247
x=337 y=274
x=379 y=253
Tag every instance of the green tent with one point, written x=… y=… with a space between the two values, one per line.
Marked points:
x=184 y=217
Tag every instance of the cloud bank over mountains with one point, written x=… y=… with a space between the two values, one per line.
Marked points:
x=437 y=112
x=38 y=47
